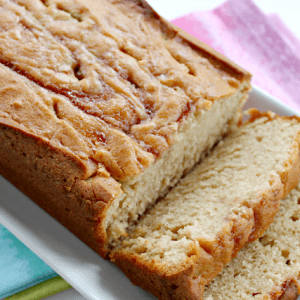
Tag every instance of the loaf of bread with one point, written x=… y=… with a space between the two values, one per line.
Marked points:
x=182 y=242
x=267 y=269
x=104 y=107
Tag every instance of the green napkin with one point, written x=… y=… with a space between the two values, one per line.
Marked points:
x=42 y=290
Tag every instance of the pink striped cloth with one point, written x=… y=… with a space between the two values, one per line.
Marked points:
x=260 y=43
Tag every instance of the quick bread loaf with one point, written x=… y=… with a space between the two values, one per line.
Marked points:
x=104 y=107
x=182 y=242
x=267 y=269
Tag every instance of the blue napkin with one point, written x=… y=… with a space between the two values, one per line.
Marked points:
x=20 y=268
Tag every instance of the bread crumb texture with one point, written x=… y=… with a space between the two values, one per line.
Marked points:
x=227 y=200
x=264 y=268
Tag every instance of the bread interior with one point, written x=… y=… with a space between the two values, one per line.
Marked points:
x=266 y=265
x=244 y=168
x=196 y=137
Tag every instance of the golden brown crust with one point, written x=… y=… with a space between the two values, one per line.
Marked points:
x=53 y=179
x=189 y=281
x=289 y=290
x=290 y=293
x=118 y=83
x=216 y=58
x=254 y=114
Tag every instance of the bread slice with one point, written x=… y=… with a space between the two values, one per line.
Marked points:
x=267 y=269
x=184 y=241
x=104 y=106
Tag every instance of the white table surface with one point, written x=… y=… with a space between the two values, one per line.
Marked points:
x=288 y=10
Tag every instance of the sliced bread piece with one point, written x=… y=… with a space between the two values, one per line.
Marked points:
x=104 y=106
x=269 y=268
x=185 y=240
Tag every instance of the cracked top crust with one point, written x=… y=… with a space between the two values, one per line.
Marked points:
x=108 y=80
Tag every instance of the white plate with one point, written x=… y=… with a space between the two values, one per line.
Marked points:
x=87 y=272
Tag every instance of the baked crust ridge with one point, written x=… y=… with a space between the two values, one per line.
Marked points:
x=289 y=290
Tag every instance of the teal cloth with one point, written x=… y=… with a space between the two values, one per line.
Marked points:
x=20 y=268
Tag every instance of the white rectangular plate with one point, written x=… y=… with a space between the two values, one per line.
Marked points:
x=86 y=271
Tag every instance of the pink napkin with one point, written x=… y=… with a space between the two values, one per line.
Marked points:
x=260 y=43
